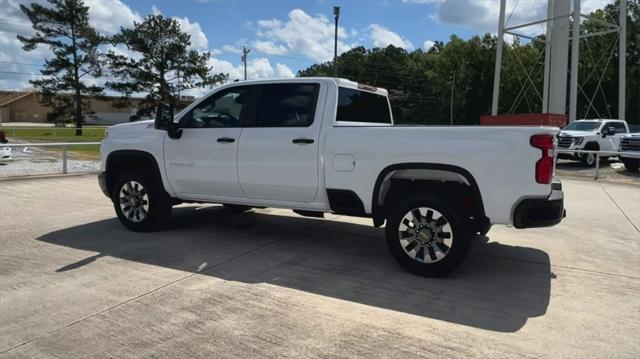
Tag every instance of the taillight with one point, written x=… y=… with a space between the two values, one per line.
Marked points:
x=544 y=166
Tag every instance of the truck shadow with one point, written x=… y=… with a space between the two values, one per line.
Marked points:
x=498 y=287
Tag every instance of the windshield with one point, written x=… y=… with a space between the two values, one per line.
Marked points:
x=583 y=126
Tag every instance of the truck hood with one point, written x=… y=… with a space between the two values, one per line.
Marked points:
x=132 y=126
x=577 y=133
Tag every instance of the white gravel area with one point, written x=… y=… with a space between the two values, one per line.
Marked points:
x=33 y=161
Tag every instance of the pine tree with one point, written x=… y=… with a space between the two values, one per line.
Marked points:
x=64 y=27
x=164 y=65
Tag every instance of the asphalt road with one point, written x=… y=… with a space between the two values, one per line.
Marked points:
x=75 y=283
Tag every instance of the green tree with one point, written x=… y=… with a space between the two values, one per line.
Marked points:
x=162 y=65
x=64 y=27
x=420 y=83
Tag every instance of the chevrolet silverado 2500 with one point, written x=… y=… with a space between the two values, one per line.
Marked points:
x=324 y=145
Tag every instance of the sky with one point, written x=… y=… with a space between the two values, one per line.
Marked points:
x=284 y=36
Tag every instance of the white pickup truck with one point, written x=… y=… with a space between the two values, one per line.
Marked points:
x=630 y=151
x=324 y=145
x=595 y=135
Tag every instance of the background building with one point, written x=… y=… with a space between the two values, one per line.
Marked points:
x=24 y=106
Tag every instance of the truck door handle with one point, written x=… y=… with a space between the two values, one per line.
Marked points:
x=302 y=141
x=226 y=140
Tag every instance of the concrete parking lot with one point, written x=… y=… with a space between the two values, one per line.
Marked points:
x=75 y=283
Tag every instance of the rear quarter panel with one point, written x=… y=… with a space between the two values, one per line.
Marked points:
x=500 y=159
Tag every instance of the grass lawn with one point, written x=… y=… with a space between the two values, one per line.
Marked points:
x=60 y=134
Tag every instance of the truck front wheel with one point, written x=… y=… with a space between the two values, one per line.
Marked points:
x=426 y=236
x=588 y=159
x=141 y=204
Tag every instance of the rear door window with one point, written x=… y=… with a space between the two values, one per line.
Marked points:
x=286 y=105
x=362 y=106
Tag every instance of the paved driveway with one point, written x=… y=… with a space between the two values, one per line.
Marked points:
x=74 y=283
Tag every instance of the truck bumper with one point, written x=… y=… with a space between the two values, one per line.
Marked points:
x=541 y=212
x=102 y=182
x=566 y=156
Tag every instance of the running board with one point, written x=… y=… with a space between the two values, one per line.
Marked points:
x=309 y=213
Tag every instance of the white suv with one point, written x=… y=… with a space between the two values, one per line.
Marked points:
x=595 y=135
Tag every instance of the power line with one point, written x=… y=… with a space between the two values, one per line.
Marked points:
x=20 y=63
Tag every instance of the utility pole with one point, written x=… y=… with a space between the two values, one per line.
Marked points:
x=547 y=59
x=336 y=15
x=245 y=51
x=453 y=82
x=575 y=56
x=622 y=60
x=498 y=64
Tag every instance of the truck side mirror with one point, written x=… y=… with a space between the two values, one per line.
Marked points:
x=164 y=116
x=608 y=131
x=164 y=120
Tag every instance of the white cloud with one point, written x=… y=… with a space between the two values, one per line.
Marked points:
x=284 y=71
x=259 y=68
x=198 y=38
x=232 y=48
x=586 y=7
x=269 y=24
x=17 y=63
x=256 y=69
x=482 y=15
x=383 y=37
x=428 y=44
x=302 y=33
x=269 y=48
x=109 y=16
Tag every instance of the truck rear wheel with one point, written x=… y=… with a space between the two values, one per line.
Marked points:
x=426 y=236
x=141 y=204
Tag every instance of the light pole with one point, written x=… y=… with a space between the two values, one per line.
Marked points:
x=336 y=15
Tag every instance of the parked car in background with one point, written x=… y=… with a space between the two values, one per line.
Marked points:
x=5 y=154
x=594 y=135
x=628 y=144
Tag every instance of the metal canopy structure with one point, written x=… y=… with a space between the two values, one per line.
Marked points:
x=554 y=99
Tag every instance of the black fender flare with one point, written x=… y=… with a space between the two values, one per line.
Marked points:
x=129 y=154
x=377 y=211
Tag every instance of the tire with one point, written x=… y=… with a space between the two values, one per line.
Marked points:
x=631 y=164
x=235 y=208
x=588 y=159
x=431 y=252
x=148 y=209
x=485 y=230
